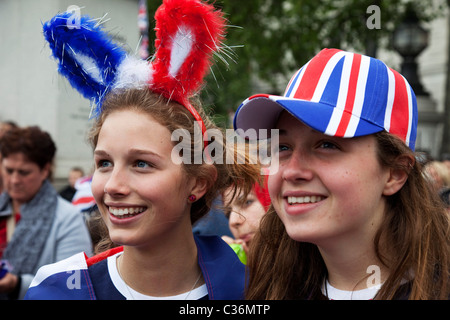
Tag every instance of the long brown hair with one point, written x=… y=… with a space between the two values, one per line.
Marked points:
x=172 y=115
x=416 y=229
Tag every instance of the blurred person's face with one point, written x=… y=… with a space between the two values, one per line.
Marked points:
x=22 y=178
x=244 y=216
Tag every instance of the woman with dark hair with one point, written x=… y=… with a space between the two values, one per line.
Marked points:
x=37 y=226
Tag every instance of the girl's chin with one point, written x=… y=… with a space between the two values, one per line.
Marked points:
x=122 y=239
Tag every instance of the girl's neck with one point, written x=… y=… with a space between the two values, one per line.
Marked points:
x=354 y=267
x=161 y=270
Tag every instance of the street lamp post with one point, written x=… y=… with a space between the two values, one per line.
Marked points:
x=409 y=40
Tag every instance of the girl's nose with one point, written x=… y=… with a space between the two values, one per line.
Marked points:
x=116 y=184
x=297 y=168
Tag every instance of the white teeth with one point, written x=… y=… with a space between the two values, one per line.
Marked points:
x=119 y=212
x=307 y=199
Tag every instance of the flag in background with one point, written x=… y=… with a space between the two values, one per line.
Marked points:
x=143 y=29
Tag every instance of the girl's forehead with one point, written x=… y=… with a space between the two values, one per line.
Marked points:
x=287 y=123
x=138 y=128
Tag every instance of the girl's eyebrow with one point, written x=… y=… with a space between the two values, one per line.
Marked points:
x=103 y=153
x=144 y=152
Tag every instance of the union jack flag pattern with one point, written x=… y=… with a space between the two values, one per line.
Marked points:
x=340 y=94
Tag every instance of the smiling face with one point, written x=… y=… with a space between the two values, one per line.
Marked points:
x=141 y=194
x=327 y=188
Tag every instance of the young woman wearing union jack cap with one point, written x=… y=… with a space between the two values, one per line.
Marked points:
x=352 y=216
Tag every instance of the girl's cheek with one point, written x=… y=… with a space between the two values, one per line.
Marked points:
x=97 y=187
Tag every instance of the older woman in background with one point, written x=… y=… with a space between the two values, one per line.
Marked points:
x=37 y=226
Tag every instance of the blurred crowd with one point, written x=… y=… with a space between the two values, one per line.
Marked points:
x=438 y=173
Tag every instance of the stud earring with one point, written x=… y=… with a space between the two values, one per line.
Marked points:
x=192 y=198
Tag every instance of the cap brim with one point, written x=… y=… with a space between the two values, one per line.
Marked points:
x=262 y=112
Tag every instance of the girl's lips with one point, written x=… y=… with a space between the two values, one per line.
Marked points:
x=125 y=214
x=305 y=199
x=301 y=203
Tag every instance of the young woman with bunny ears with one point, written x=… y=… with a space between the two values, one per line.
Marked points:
x=147 y=199
x=352 y=215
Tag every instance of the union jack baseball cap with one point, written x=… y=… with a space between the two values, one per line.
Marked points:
x=341 y=94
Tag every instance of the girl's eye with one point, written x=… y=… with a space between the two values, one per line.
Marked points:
x=328 y=145
x=103 y=164
x=142 y=164
x=248 y=203
x=282 y=148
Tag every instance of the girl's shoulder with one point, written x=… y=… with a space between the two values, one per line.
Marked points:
x=68 y=279
x=63 y=280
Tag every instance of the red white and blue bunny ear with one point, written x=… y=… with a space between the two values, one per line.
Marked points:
x=188 y=33
x=88 y=58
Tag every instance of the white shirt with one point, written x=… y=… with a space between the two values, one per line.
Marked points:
x=131 y=294
x=336 y=294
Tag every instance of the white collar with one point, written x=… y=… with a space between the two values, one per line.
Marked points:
x=333 y=293
x=131 y=294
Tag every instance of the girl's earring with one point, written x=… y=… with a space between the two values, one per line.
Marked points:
x=192 y=198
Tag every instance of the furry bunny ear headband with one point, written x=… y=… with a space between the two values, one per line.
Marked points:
x=188 y=33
